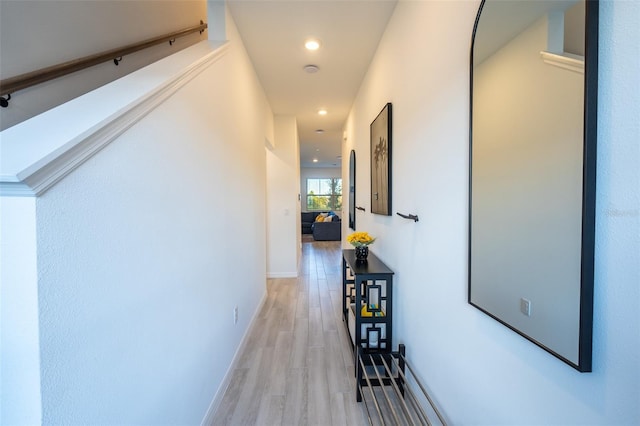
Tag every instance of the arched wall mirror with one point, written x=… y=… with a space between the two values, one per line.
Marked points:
x=532 y=170
x=352 y=190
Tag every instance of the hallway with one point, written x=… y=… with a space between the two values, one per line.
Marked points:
x=296 y=368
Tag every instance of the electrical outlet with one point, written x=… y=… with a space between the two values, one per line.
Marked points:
x=525 y=306
x=235 y=315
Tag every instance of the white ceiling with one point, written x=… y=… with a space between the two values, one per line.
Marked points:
x=274 y=33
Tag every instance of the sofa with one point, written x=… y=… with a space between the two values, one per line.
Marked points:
x=322 y=231
x=307 y=221
x=328 y=231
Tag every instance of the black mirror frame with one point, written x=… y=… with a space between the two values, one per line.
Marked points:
x=588 y=189
x=352 y=190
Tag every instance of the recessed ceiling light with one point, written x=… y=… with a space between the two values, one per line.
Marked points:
x=311 y=69
x=312 y=44
x=315 y=160
x=322 y=111
x=317 y=149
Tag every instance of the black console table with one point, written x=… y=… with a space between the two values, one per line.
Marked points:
x=367 y=290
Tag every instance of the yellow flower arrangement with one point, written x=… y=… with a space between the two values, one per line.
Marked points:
x=360 y=239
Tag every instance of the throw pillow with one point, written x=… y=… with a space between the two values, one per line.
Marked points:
x=328 y=219
x=319 y=218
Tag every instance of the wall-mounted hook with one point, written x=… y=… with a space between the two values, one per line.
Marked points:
x=201 y=23
x=362 y=209
x=4 y=102
x=409 y=216
x=117 y=60
x=173 y=40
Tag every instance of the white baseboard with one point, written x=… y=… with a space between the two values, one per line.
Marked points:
x=217 y=399
x=282 y=274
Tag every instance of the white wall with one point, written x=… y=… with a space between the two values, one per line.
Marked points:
x=56 y=31
x=480 y=371
x=140 y=261
x=316 y=172
x=283 y=207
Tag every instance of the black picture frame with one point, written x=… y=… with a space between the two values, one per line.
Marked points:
x=352 y=190
x=381 y=142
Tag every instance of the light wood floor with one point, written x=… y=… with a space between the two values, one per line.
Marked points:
x=297 y=367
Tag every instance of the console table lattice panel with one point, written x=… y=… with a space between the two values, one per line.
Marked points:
x=367 y=302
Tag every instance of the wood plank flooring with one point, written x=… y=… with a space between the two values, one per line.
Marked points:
x=297 y=367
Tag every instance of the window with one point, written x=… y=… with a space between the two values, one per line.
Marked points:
x=324 y=194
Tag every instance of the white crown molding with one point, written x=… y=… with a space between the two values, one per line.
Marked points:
x=24 y=174
x=566 y=61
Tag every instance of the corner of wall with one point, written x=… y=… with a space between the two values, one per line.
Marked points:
x=19 y=326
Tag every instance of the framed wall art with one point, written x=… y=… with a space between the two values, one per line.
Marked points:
x=381 y=162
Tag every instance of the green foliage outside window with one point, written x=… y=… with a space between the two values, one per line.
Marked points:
x=324 y=194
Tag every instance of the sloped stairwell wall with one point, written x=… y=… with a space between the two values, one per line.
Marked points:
x=144 y=251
